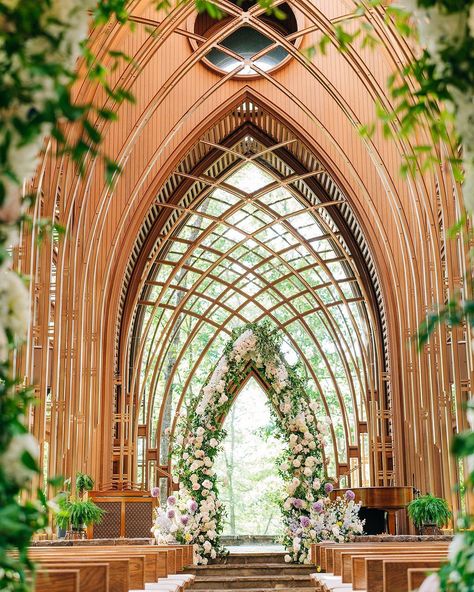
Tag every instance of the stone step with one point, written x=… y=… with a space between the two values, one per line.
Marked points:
x=250 y=558
x=250 y=569
x=251 y=582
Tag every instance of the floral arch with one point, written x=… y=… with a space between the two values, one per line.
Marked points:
x=299 y=422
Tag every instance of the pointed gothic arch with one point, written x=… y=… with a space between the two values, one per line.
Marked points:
x=250 y=125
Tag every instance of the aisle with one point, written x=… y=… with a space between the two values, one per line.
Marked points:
x=253 y=569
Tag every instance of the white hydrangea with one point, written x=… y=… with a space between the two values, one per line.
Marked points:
x=3 y=345
x=14 y=303
x=11 y=460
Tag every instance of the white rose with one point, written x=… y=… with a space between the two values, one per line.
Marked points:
x=287 y=559
x=213 y=442
x=207 y=546
x=207 y=484
x=11 y=460
x=14 y=303
x=3 y=345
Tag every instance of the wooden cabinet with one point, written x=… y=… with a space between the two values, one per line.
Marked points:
x=129 y=514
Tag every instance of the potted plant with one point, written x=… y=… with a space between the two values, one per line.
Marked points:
x=77 y=512
x=82 y=513
x=84 y=483
x=429 y=513
x=62 y=516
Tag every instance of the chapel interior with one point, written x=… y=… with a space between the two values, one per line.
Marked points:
x=246 y=203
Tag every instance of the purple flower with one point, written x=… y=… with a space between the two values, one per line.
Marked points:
x=328 y=487
x=171 y=500
x=294 y=526
x=350 y=495
x=305 y=521
x=171 y=514
x=155 y=491
x=192 y=506
x=318 y=507
x=184 y=519
x=297 y=503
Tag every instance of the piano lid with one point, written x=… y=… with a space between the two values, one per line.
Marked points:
x=383 y=498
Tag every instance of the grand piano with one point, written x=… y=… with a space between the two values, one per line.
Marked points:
x=379 y=506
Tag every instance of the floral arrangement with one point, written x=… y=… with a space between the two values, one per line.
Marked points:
x=177 y=522
x=329 y=520
x=297 y=420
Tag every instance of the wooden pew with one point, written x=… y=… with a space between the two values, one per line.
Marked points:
x=342 y=555
x=93 y=577
x=360 y=566
x=146 y=563
x=372 y=578
x=136 y=563
x=119 y=569
x=395 y=573
x=57 y=580
x=416 y=576
x=329 y=554
x=354 y=562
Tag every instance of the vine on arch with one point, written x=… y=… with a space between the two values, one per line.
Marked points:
x=297 y=422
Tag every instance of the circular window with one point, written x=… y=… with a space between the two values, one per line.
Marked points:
x=246 y=44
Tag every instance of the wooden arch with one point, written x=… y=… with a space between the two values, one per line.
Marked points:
x=318 y=191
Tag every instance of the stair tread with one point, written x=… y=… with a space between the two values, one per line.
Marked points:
x=254 y=577
x=250 y=565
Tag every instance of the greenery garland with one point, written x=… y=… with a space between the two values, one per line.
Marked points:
x=298 y=422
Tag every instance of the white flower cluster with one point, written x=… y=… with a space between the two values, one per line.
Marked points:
x=12 y=460
x=14 y=310
x=215 y=387
x=60 y=32
x=199 y=445
x=328 y=520
x=176 y=522
x=338 y=521
x=244 y=346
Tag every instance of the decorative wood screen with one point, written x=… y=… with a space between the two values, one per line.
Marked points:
x=128 y=514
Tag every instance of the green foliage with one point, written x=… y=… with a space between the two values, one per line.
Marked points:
x=428 y=509
x=81 y=513
x=84 y=483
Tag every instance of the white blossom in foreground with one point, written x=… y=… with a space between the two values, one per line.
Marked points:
x=12 y=460
x=14 y=304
